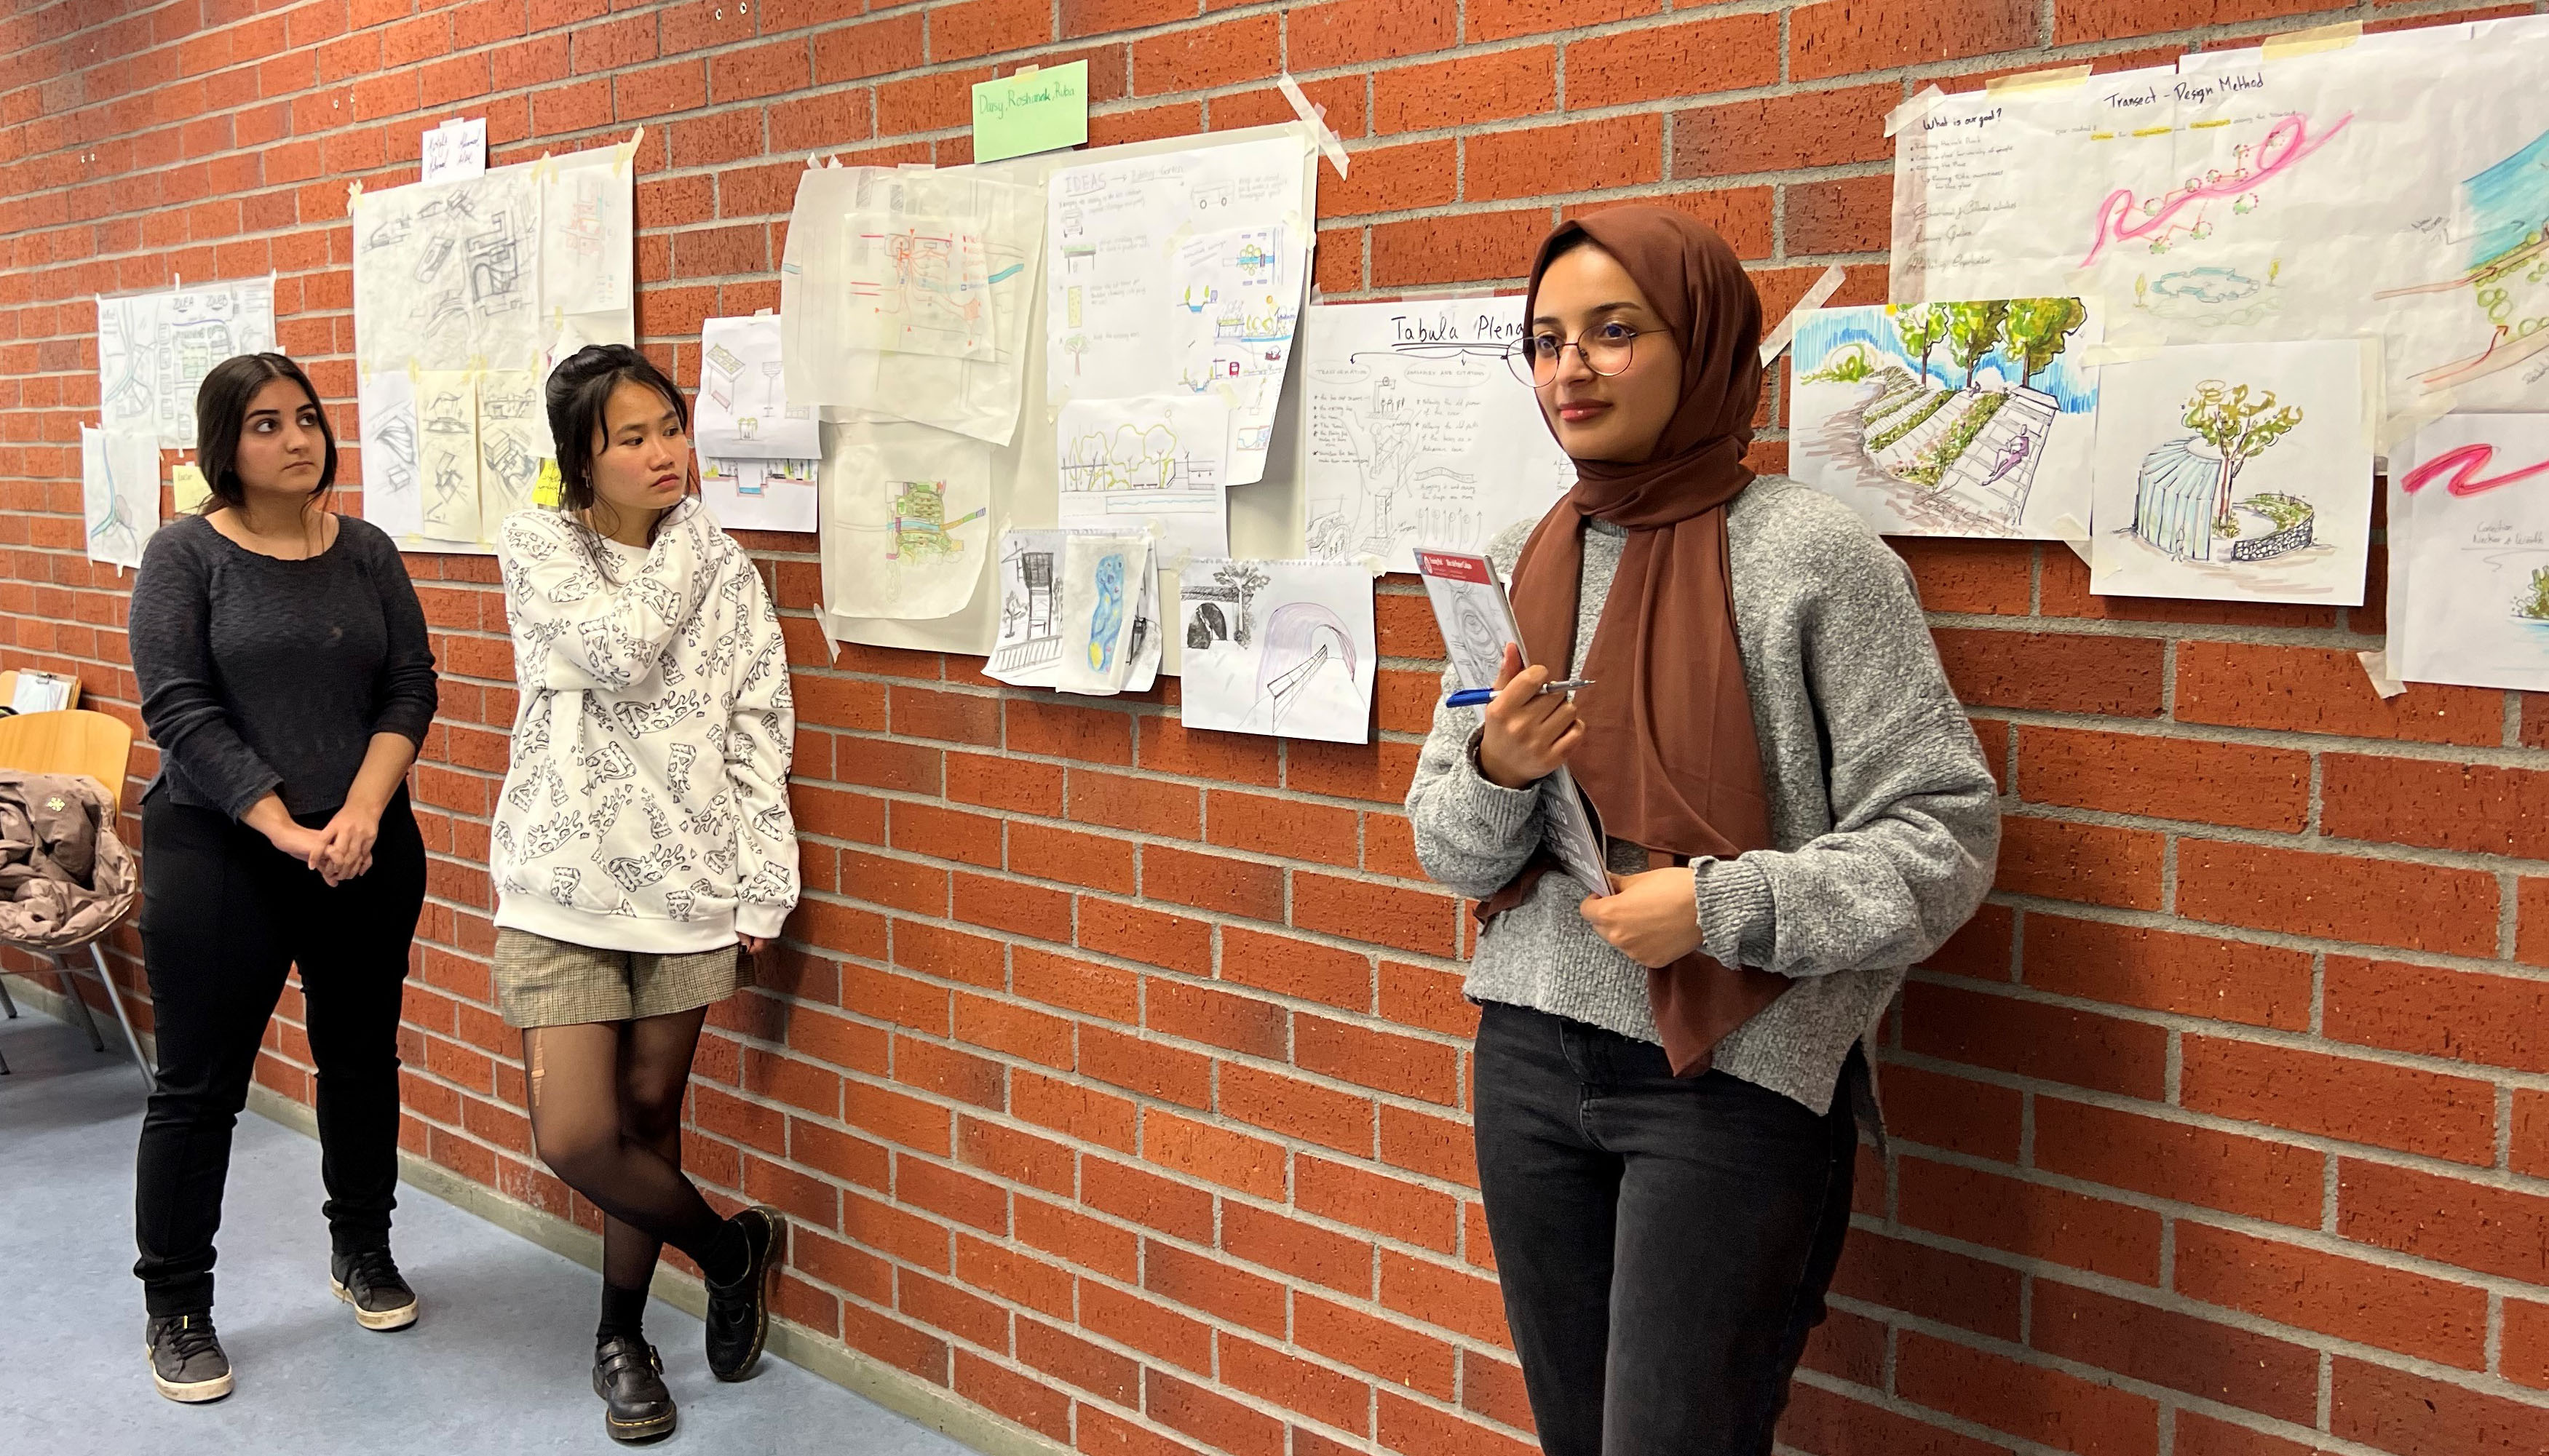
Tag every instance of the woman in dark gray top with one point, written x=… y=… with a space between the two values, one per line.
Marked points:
x=288 y=682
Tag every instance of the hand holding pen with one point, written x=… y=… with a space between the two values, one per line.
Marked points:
x=1530 y=724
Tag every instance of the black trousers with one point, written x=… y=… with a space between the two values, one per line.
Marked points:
x=224 y=916
x=1664 y=1244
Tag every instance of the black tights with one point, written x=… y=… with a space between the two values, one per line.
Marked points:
x=607 y=1117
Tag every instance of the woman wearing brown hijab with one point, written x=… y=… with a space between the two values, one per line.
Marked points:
x=1670 y=1077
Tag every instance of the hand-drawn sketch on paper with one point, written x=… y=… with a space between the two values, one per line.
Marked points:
x=1280 y=648
x=446 y=408
x=1233 y=325
x=587 y=212
x=1159 y=458
x=906 y=521
x=1415 y=431
x=153 y=350
x=2469 y=547
x=512 y=440
x=2504 y=227
x=1949 y=419
x=760 y=495
x=1101 y=587
x=1212 y=239
x=448 y=274
x=830 y=362
x=119 y=492
x=2235 y=472
x=393 y=485
x=2194 y=210
x=743 y=411
x=918 y=285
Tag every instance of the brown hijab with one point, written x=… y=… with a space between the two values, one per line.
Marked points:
x=1669 y=758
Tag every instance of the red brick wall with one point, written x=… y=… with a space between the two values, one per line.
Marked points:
x=1116 y=1075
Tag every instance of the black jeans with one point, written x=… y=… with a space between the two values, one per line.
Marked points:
x=224 y=915
x=1664 y=1244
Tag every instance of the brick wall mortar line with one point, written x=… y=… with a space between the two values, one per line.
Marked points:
x=2389 y=852
x=2369 y=1354
x=2273 y=738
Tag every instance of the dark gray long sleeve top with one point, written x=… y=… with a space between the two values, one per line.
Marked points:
x=260 y=674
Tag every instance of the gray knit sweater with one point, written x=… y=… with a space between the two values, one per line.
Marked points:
x=1882 y=808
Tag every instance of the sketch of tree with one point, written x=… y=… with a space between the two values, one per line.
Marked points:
x=1246 y=578
x=2035 y=331
x=1973 y=332
x=2240 y=428
x=1922 y=327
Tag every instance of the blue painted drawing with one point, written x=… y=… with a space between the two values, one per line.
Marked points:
x=1106 y=620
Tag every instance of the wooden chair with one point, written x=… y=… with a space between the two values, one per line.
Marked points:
x=76 y=740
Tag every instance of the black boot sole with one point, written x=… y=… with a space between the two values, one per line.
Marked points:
x=634 y=1432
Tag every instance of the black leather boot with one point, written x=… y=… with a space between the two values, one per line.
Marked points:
x=739 y=1312
x=628 y=1376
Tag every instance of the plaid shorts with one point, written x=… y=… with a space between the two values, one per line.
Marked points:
x=541 y=982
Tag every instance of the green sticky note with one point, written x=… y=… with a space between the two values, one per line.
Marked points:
x=192 y=490
x=1034 y=111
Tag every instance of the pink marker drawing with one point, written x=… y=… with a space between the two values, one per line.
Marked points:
x=2463 y=466
x=2286 y=143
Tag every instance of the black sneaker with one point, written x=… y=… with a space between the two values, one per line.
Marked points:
x=368 y=1279
x=628 y=1376
x=739 y=1312
x=186 y=1359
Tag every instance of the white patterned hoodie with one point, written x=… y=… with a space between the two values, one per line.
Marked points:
x=646 y=808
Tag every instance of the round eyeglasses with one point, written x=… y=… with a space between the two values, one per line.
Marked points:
x=1606 y=350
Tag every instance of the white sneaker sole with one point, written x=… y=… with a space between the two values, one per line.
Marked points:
x=190 y=1393
x=397 y=1318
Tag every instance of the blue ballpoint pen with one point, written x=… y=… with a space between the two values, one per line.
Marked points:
x=1470 y=697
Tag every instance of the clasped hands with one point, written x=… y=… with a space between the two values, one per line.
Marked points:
x=340 y=849
x=1652 y=918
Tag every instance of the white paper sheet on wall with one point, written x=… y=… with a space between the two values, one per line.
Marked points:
x=2389 y=187
x=1949 y=419
x=1159 y=459
x=1215 y=233
x=830 y=363
x=448 y=274
x=393 y=482
x=1027 y=652
x=2234 y=472
x=906 y=530
x=1101 y=585
x=446 y=410
x=587 y=214
x=153 y=350
x=1415 y=432
x=742 y=411
x=119 y=492
x=762 y=495
x=2469 y=551
x=1280 y=648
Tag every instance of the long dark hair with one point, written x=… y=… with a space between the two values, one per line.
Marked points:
x=221 y=412
x=578 y=394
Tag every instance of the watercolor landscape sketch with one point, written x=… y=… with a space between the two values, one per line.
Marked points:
x=1949 y=419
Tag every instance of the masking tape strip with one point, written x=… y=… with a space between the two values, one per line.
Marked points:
x=628 y=151
x=2398 y=428
x=354 y=194
x=2316 y=39
x=1914 y=110
x=1824 y=287
x=1370 y=563
x=2376 y=666
x=2049 y=79
x=1329 y=146
x=2074 y=535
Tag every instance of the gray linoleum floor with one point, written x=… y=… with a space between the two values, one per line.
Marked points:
x=500 y=1362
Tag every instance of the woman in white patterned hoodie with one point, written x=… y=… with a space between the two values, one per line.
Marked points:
x=642 y=839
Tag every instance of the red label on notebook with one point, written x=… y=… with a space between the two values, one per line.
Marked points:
x=1455 y=565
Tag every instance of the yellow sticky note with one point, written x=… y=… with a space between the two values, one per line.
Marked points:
x=191 y=488
x=546 y=490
